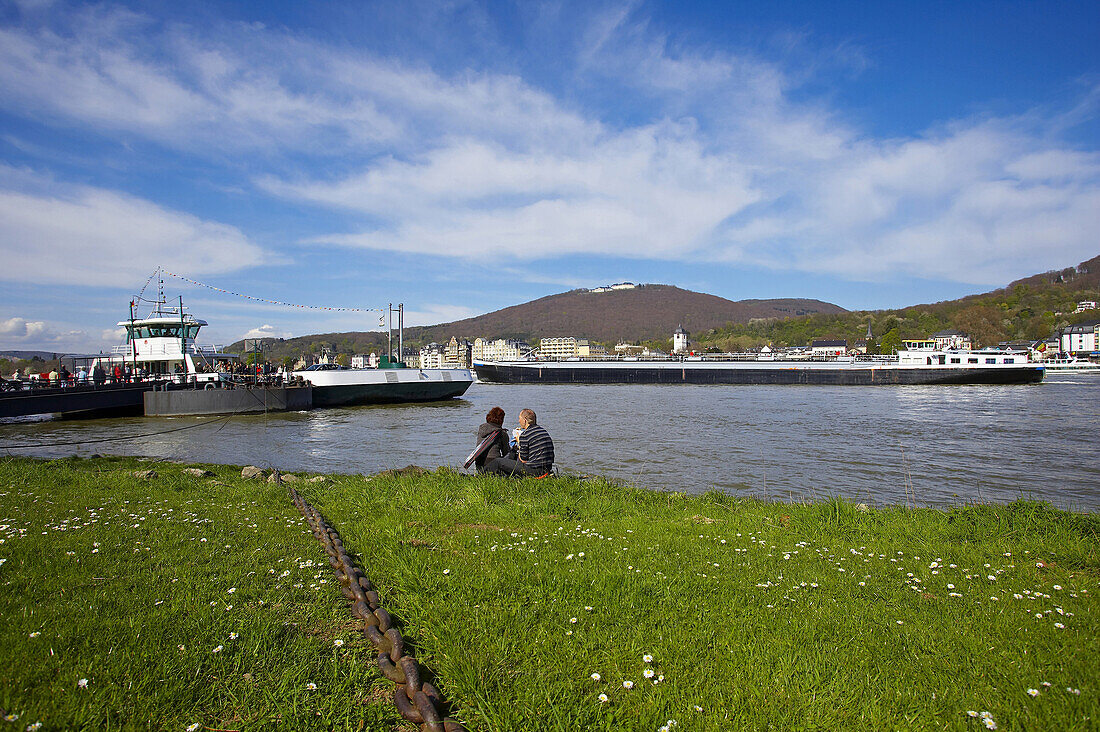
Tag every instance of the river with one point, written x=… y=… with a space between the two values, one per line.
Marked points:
x=931 y=445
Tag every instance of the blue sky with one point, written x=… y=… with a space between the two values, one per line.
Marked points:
x=461 y=157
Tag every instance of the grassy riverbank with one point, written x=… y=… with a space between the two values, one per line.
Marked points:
x=202 y=600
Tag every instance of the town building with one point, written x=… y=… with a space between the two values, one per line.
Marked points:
x=432 y=355
x=823 y=348
x=1085 y=305
x=587 y=349
x=457 y=354
x=363 y=361
x=952 y=340
x=502 y=349
x=680 y=342
x=1081 y=339
x=552 y=349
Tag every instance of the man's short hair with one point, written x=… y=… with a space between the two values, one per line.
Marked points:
x=529 y=415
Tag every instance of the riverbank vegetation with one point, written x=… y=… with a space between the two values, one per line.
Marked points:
x=182 y=600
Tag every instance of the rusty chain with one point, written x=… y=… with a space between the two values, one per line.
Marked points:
x=417 y=701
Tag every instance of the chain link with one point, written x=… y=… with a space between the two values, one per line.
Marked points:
x=417 y=701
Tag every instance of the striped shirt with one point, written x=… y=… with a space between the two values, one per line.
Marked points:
x=536 y=449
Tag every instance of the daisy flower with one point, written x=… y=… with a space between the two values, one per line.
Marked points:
x=628 y=684
x=603 y=698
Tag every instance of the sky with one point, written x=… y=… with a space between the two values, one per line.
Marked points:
x=461 y=157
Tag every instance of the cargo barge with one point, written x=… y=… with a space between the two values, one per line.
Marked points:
x=907 y=368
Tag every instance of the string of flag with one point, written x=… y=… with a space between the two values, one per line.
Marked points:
x=269 y=301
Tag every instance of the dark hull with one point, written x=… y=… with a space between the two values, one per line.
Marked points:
x=77 y=402
x=750 y=374
x=387 y=393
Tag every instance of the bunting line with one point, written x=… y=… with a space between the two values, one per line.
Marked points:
x=271 y=302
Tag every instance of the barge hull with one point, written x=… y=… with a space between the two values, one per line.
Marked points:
x=752 y=375
x=77 y=402
x=387 y=393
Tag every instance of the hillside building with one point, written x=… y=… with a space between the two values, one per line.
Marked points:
x=951 y=340
x=1082 y=339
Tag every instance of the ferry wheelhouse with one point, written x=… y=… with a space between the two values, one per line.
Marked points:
x=165 y=345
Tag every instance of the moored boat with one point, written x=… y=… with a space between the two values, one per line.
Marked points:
x=335 y=386
x=907 y=368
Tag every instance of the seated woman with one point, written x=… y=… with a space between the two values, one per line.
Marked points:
x=494 y=422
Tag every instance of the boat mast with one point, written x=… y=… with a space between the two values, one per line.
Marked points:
x=133 y=338
x=389 y=331
x=401 y=332
x=183 y=337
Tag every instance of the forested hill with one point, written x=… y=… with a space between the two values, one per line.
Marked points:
x=645 y=313
x=1027 y=309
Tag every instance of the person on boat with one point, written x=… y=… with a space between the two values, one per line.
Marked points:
x=98 y=374
x=494 y=423
x=116 y=374
x=535 y=450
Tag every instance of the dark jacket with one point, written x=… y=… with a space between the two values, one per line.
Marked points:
x=499 y=448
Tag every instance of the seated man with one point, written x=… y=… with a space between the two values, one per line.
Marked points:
x=535 y=451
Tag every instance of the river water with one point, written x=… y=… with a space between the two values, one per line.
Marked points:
x=931 y=445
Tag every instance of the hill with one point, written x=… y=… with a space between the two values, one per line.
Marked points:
x=645 y=313
x=1027 y=309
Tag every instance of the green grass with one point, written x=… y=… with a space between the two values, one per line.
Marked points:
x=754 y=613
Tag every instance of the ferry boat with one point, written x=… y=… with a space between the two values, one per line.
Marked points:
x=1071 y=365
x=907 y=367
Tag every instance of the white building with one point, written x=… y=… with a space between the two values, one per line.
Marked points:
x=553 y=349
x=680 y=342
x=589 y=350
x=432 y=355
x=951 y=340
x=1081 y=339
x=829 y=348
x=500 y=350
x=1085 y=305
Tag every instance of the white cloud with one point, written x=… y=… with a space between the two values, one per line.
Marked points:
x=92 y=236
x=267 y=331
x=705 y=155
x=18 y=333
x=21 y=329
